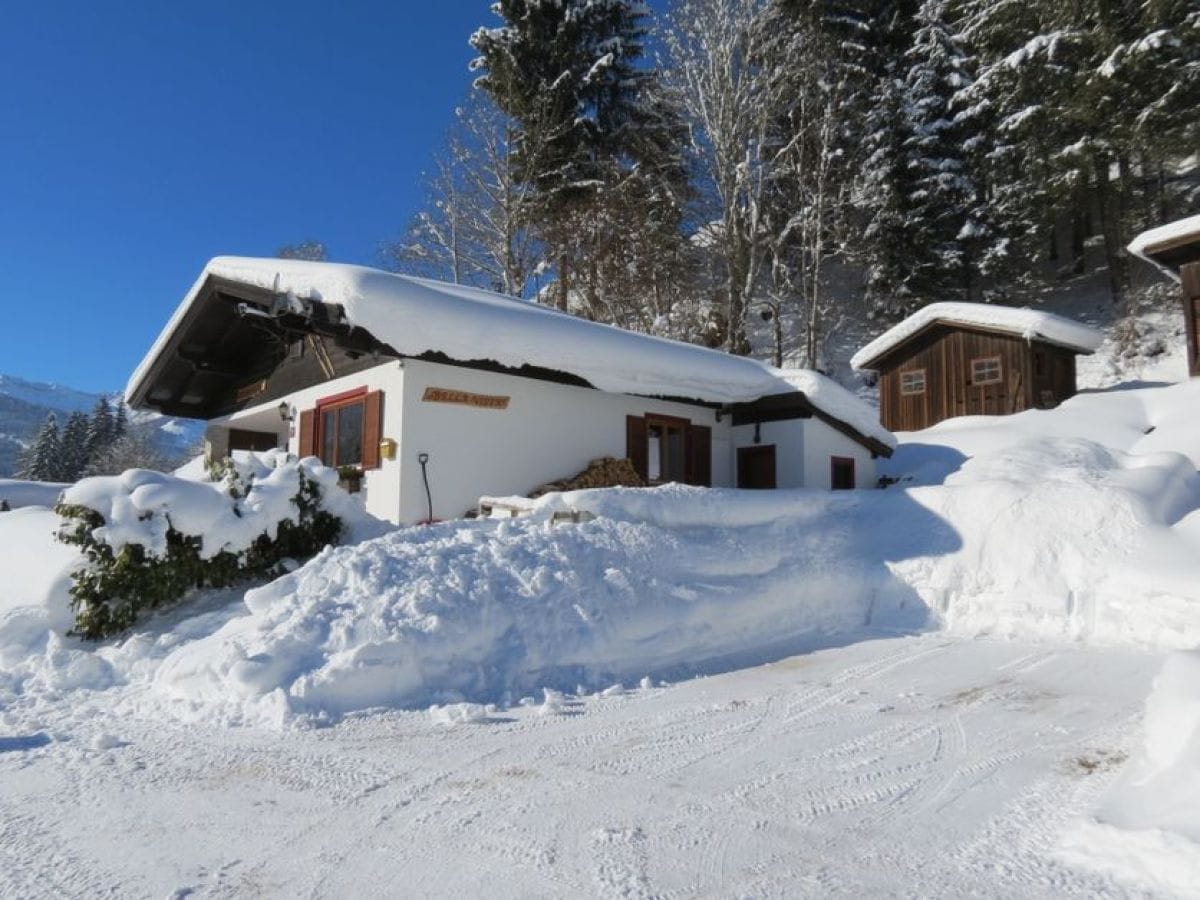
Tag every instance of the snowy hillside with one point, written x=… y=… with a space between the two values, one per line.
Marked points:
x=24 y=406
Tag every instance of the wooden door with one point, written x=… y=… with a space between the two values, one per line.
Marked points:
x=756 y=466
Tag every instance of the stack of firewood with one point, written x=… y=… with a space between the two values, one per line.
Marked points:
x=600 y=473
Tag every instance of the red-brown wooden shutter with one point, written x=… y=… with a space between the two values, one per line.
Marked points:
x=635 y=444
x=372 y=429
x=699 y=455
x=308 y=433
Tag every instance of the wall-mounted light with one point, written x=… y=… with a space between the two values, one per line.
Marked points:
x=285 y=412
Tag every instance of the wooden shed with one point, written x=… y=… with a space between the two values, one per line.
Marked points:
x=964 y=359
x=1175 y=249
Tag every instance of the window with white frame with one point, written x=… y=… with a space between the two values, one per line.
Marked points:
x=986 y=370
x=912 y=382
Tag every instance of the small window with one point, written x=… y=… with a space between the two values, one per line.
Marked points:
x=986 y=371
x=340 y=438
x=841 y=473
x=912 y=382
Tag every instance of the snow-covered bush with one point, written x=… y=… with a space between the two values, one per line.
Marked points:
x=149 y=537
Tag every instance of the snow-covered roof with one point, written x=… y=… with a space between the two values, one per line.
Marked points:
x=1031 y=324
x=415 y=316
x=1149 y=244
x=835 y=401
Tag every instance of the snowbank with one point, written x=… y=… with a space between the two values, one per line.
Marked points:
x=35 y=570
x=19 y=493
x=1147 y=831
x=1025 y=323
x=490 y=610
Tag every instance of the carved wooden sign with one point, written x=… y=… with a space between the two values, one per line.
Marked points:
x=249 y=391
x=464 y=398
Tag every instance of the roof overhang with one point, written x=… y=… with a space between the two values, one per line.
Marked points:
x=1169 y=247
x=796 y=405
x=875 y=363
x=227 y=336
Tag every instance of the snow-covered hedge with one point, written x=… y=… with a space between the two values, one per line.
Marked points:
x=150 y=537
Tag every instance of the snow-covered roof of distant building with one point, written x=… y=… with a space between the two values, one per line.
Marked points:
x=1031 y=324
x=415 y=316
x=1169 y=246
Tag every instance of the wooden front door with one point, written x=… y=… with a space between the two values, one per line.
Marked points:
x=756 y=466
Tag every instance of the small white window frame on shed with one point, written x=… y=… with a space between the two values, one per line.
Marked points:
x=987 y=370
x=912 y=382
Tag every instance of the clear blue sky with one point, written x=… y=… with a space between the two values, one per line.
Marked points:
x=138 y=139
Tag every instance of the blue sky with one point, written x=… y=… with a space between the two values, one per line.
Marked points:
x=138 y=139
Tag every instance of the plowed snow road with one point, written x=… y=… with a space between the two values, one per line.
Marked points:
x=897 y=766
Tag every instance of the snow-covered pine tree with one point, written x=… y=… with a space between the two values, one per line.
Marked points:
x=100 y=428
x=120 y=418
x=589 y=133
x=882 y=196
x=73 y=448
x=943 y=222
x=41 y=459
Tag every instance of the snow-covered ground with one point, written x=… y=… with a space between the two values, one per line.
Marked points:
x=937 y=688
x=923 y=766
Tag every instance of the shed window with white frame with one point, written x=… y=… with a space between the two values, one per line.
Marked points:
x=987 y=370
x=912 y=382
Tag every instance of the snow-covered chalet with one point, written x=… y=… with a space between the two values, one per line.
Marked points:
x=963 y=359
x=409 y=383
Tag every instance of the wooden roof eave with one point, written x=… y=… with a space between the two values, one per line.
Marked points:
x=884 y=360
x=796 y=405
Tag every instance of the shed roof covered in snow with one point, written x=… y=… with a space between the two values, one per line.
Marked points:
x=1030 y=324
x=216 y=339
x=1171 y=246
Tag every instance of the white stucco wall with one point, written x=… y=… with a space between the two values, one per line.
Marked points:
x=821 y=442
x=803 y=450
x=548 y=431
x=381 y=487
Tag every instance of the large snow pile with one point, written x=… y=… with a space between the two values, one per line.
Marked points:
x=17 y=493
x=660 y=584
x=1147 y=830
x=1025 y=323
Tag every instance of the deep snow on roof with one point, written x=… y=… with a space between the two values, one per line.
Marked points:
x=830 y=397
x=416 y=315
x=1149 y=241
x=1030 y=324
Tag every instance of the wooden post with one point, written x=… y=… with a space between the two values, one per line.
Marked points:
x=1189 y=277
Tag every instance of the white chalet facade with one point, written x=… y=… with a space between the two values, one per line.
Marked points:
x=439 y=394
